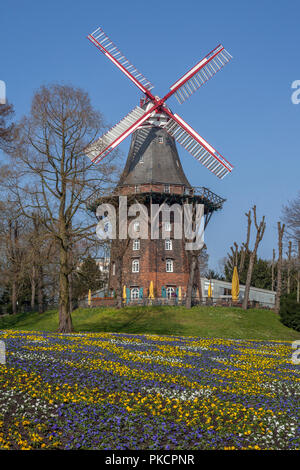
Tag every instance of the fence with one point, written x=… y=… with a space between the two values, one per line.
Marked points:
x=112 y=302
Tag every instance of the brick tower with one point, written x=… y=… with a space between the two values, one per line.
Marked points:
x=153 y=174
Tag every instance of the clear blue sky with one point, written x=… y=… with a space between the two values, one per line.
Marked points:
x=245 y=111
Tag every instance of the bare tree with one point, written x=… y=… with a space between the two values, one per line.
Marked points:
x=13 y=251
x=41 y=249
x=7 y=129
x=289 y=264
x=260 y=229
x=273 y=269
x=279 y=267
x=197 y=264
x=245 y=246
x=54 y=178
x=298 y=273
x=291 y=218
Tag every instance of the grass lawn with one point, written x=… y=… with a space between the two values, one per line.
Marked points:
x=211 y=322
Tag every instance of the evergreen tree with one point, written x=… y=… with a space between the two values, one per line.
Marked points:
x=88 y=277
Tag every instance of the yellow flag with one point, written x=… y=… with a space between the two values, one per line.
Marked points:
x=179 y=293
x=235 y=289
x=209 y=292
x=124 y=293
x=89 y=298
x=151 y=290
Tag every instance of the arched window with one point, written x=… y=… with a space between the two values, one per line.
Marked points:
x=135 y=266
x=136 y=244
x=135 y=291
x=170 y=291
x=169 y=266
x=113 y=269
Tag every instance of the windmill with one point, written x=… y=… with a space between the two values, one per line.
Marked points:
x=153 y=109
x=153 y=175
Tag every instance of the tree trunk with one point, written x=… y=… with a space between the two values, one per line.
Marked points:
x=33 y=286
x=40 y=296
x=65 y=320
x=200 y=286
x=279 y=266
x=273 y=269
x=14 y=297
x=70 y=293
x=189 y=292
x=260 y=229
x=119 y=269
x=248 y=280
x=298 y=274
x=289 y=268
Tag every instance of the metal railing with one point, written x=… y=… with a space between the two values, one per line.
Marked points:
x=210 y=302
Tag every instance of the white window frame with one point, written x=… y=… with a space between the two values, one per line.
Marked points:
x=168 y=244
x=170 y=290
x=167 y=188
x=113 y=269
x=136 y=266
x=168 y=227
x=169 y=266
x=134 y=293
x=136 y=244
x=136 y=226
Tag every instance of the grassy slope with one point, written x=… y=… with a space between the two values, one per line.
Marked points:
x=218 y=322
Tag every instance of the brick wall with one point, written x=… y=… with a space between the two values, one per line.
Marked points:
x=152 y=257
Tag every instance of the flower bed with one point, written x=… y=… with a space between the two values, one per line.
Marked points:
x=117 y=391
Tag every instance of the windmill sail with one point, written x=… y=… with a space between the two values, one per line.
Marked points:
x=111 y=139
x=102 y=42
x=197 y=146
x=201 y=73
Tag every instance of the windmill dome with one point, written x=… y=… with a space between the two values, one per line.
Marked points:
x=153 y=158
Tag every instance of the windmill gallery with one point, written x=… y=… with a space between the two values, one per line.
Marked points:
x=153 y=176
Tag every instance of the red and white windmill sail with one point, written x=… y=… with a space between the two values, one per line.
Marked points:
x=174 y=124
x=197 y=146
x=199 y=74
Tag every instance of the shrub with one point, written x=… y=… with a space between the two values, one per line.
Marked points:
x=290 y=311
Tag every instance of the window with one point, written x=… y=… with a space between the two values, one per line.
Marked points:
x=135 y=291
x=169 y=266
x=167 y=188
x=170 y=292
x=113 y=269
x=135 y=266
x=136 y=244
x=160 y=140
x=168 y=244
x=167 y=227
x=136 y=226
x=136 y=189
